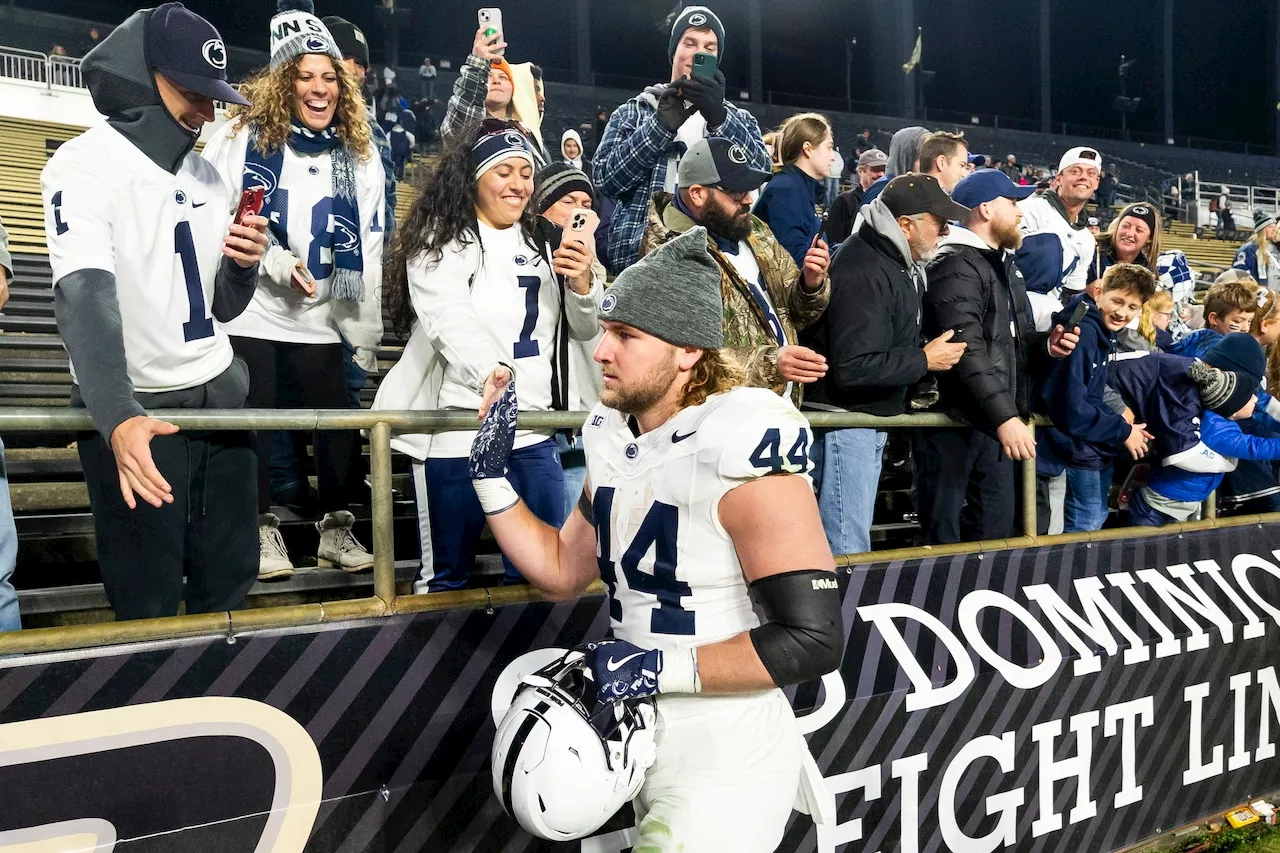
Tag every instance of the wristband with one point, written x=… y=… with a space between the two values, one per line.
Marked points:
x=679 y=672
x=496 y=494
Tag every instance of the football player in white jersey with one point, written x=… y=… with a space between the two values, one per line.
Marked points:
x=306 y=142
x=696 y=505
x=147 y=265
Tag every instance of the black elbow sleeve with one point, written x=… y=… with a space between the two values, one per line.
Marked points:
x=804 y=637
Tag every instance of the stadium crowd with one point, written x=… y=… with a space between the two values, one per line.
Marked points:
x=940 y=280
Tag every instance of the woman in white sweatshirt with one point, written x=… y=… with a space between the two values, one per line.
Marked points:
x=306 y=141
x=477 y=281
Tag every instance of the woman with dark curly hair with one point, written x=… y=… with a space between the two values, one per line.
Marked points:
x=480 y=284
x=306 y=141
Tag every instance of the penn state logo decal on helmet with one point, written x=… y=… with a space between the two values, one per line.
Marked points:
x=609 y=302
x=737 y=154
x=215 y=53
x=315 y=44
x=697 y=20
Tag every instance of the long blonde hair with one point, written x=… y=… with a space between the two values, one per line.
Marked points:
x=1107 y=239
x=1269 y=310
x=1161 y=303
x=714 y=373
x=271 y=97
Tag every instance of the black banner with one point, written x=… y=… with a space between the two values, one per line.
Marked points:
x=1076 y=697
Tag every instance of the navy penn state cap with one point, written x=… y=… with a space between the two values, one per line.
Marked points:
x=188 y=50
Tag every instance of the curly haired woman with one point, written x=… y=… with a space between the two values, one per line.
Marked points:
x=307 y=142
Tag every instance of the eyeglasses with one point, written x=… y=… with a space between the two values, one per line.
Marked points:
x=1168 y=314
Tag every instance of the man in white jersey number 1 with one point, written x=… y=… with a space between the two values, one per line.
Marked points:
x=147 y=265
x=695 y=505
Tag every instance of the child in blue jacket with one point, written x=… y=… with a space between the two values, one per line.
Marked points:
x=1195 y=450
x=1087 y=433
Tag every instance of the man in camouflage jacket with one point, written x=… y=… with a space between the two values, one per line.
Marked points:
x=754 y=327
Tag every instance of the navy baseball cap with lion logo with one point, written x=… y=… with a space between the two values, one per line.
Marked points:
x=719 y=162
x=188 y=50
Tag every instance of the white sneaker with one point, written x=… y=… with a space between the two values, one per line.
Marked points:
x=338 y=546
x=273 y=558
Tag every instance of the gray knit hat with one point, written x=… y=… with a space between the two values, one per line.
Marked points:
x=296 y=31
x=695 y=18
x=1261 y=219
x=672 y=293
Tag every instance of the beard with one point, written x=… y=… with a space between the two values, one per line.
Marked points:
x=730 y=226
x=646 y=392
x=1007 y=236
x=922 y=251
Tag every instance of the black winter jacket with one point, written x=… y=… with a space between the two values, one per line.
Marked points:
x=977 y=292
x=870 y=333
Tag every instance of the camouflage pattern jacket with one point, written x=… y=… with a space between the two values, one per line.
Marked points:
x=747 y=335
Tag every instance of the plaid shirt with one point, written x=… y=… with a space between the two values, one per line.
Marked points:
x=631 y=165
x=466 y=106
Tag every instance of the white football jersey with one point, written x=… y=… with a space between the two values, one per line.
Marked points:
x=306 y=183
x=108 y=206
x=674 y=577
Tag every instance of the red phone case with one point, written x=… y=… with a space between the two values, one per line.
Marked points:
x=251 y=202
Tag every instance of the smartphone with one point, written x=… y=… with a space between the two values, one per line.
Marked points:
x=1077 y=315
x=251 y=201
x=582 y=226
x=705 y=65
x=491 y=22
x=303 y=281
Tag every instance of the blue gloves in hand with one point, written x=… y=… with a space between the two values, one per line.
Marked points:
x=490 y=452
x=622 y=670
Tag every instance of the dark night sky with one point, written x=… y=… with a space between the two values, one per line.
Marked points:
x=985 y=52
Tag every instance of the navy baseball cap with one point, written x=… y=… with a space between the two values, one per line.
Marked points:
x=718 y=162
x=188 y=50
x=987 y=185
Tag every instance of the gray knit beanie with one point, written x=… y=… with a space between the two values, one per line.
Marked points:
x=1223 y=392
x=695 y=18
x=672 y=293
x=296 y=31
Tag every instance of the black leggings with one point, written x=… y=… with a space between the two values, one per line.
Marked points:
x=318 y=373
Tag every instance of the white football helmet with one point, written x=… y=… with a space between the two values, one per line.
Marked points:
x=562 y=765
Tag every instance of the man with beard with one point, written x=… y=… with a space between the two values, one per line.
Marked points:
x=871 y=338
x=698 y=488
x=766 y=299
x=965 y=477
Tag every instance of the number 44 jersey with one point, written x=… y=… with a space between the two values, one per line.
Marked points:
x=109 y=207
x=673 y=575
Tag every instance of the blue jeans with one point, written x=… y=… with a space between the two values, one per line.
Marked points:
x=9 y=620
x=457 y=519
x=574 y=463
x=846 y=474
x=1085 y=507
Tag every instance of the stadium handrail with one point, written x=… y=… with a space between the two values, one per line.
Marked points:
x=36 y=67
x=385 y=601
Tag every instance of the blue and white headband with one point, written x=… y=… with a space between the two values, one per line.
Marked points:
x=493 y=148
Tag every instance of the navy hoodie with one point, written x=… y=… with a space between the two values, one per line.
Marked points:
x=1086 y=433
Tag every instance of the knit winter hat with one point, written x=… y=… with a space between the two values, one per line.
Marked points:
x=695 y=18
x=349 y=38
x=672 y=293
x=556 y=181
x=296 y=31
x=1239 y=364
x=1261 y=219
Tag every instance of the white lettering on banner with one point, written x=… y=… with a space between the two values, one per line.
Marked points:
x=867 y=780
x=1169 y=644
x=1127 y=715
x=1240 y=565
x=908 y=770
x=1270 y=702
x=1197 y=769
x=925 y=695
x=1005 y=804
x=1239 y=688
x=1254 y=627
x=1094 y=605
x=1052 y=770
x=1026 y=678
x=1177 y=601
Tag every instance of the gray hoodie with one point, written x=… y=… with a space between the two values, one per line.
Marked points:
x=904 y=150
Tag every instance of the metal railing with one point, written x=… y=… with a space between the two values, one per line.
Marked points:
x=385 y=600
x=35 y=67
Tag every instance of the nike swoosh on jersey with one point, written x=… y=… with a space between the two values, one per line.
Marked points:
x=201 y=204
x=676 y=437
x=614 y=665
